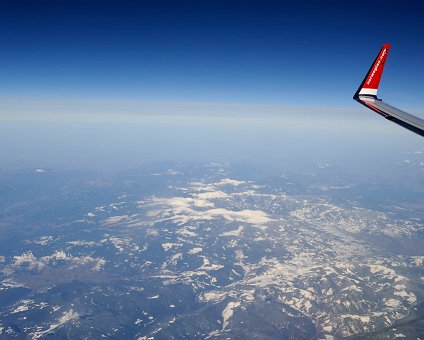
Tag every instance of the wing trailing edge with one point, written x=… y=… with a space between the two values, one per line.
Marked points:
x=367 y=96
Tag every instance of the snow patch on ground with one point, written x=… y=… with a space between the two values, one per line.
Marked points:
x=228 y=181
x=66 y=317
x=235 y=232
x=195 y=250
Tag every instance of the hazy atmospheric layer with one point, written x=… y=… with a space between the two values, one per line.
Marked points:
x=118 y=134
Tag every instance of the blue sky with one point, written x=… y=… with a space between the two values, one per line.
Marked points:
x=294 y=52
x=113 y=84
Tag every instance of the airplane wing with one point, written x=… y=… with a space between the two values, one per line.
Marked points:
x=367 y=96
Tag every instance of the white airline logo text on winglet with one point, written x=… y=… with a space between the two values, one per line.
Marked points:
x=367 y=96
x=373 y=91
x=376 y=66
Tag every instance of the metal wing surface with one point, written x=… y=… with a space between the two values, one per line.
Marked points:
x=367 y=96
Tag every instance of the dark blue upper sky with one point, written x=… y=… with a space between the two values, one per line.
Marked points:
x=295 y=52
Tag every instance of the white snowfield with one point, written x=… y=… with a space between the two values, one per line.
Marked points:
x=183 y=210
x=307 y=254
x=28 y=260
x=351 y=268
x=69 y=316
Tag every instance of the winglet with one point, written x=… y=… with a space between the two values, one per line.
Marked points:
x=369 y=85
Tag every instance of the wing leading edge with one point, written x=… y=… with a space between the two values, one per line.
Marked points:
x=367 y=96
